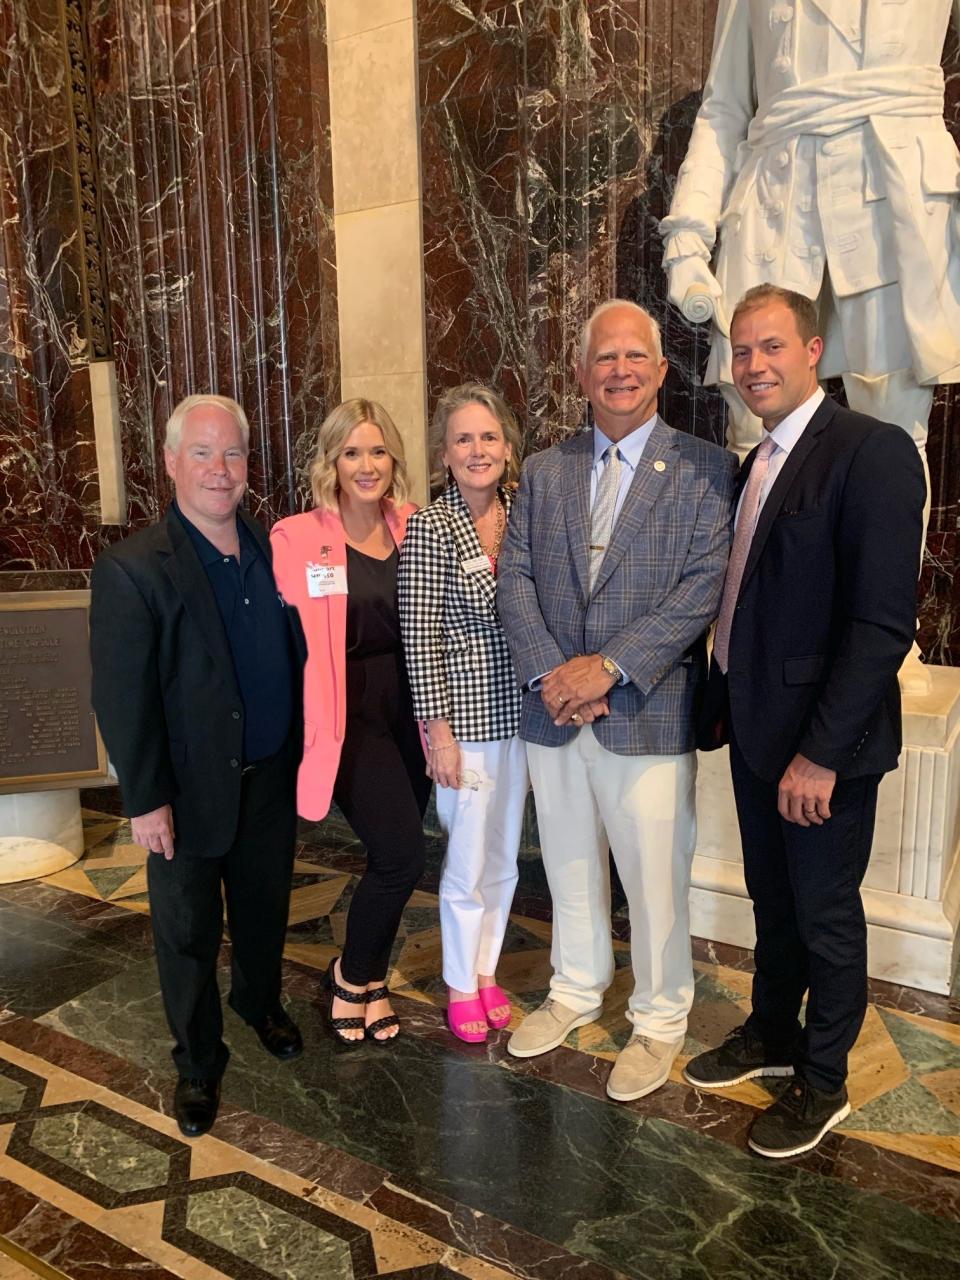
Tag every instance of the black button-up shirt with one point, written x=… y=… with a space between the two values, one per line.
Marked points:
x=258 y=634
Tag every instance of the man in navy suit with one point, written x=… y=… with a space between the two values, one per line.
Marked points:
x=818 y=612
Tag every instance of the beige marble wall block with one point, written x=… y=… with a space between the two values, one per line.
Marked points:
x=348 y=17
x=373 y=89
x=106 y=432
x=404 y=396
x=380 y=272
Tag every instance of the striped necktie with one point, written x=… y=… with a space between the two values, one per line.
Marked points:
x=604 y=504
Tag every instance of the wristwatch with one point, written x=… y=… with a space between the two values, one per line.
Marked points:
x=611 y=668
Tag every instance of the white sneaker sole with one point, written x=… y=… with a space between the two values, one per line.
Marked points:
x=806 y=1146
x=732 y=1080
x=553 y=1044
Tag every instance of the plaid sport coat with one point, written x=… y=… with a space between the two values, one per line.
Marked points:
x=457 y=657
x=657 y=592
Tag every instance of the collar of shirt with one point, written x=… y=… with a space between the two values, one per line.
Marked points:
x=631 y=447
x=789 y=430
x=208 y=553
x=631 y=451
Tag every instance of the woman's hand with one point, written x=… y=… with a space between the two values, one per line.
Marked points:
x=444 y=759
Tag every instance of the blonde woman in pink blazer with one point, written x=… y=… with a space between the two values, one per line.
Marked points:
x=337 y=564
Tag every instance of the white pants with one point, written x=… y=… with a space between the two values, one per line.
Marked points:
x=482 y=821
x=645 y=806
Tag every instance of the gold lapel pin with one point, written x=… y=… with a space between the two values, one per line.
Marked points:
x=659 y=465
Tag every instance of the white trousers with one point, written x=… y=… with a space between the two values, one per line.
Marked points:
x=645 y=806
x=482 y=821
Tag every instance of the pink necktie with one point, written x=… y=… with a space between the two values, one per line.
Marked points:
x=742 y=537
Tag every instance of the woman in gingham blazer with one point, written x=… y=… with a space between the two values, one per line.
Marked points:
x=465 y=692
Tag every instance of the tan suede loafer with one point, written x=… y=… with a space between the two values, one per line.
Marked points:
x=546 y=1028
x=641 y=1066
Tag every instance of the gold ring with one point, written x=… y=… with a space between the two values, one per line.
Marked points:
x=577 y=718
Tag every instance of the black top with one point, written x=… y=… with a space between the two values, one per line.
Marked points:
x=373 y=622
x=258 y=635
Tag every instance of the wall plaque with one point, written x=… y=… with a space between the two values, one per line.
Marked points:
x=48 y=734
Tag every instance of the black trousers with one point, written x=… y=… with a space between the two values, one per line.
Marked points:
x=382 y=790
x=811 y=930
x=186 y=911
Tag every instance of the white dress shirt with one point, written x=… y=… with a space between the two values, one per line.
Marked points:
x=785 y=435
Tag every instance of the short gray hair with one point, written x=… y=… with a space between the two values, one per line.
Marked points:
x=609 y=305
x=171 y=439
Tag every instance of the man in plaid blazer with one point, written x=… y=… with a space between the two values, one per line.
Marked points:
x=611 y=574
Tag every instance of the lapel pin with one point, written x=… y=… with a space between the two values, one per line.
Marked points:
x=325 y=552
x=659 y=465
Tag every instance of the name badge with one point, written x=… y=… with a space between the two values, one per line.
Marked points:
x=326 y=580
x=476 y=565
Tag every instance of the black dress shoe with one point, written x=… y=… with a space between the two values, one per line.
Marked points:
x=195 y=1105
x=280 y=1035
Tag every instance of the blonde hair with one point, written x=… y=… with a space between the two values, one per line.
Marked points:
x=458 y=398
x=171 y=439
x=331 y=439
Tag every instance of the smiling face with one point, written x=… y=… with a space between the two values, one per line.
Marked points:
x=476 y=451
x=364 y=467
x=774 y=370
x=621 y=374
x=209 y=466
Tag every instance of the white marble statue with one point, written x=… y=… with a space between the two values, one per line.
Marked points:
x=820 y=161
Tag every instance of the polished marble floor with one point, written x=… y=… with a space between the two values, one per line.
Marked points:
x=431 y=1158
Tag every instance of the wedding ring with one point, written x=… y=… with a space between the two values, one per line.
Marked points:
x=577 y=718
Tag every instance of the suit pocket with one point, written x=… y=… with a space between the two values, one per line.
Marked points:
x=941 y=164
x=804 y=670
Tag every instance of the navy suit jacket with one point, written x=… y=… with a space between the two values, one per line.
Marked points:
x=827 y=606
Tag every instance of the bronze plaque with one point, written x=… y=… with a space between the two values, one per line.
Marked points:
x=48 y=734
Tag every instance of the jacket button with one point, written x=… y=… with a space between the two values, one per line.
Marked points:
x=235 y=714
x=234 y=762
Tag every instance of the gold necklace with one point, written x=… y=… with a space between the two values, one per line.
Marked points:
x=494 y=550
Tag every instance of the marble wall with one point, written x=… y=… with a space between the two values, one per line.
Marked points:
x=166 y=202
x=551 y=132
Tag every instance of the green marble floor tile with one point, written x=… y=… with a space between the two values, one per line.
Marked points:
x=108 y=880
x=644 y=1197
x=267 y=1236
x=910 y=1108
x=12 y=1093
x=106 y=1155
x=921 y=1050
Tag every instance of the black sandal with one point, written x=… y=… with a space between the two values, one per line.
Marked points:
x=381 y=1024
x=339 y=1025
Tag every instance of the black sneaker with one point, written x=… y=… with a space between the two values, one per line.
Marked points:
x=741 y=1057
x=797 y=1120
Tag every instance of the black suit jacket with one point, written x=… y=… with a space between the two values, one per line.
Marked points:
x=827 y=606
x=164 y=688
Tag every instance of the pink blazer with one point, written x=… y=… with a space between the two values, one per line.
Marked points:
x=318 y=536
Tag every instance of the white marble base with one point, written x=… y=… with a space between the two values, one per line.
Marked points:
x=40 y=832
x=911 y=892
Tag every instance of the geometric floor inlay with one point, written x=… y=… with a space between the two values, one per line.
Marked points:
x=904 y=1070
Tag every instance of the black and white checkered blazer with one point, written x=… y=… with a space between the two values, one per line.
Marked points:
x=457 y=657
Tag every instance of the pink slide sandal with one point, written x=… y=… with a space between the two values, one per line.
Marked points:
x=460 y=1013
x=492 y=998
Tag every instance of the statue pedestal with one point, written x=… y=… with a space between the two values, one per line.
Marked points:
x=40 y=832
x=912 y=889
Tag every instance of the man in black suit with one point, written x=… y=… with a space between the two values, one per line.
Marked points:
x=196 y=685
x=818 y=612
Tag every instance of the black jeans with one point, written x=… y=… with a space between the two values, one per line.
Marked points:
x=186 y=910
x=811 y=930
x=382 y=790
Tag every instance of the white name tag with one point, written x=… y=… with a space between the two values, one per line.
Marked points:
x=326 y=580
x=476 y=565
